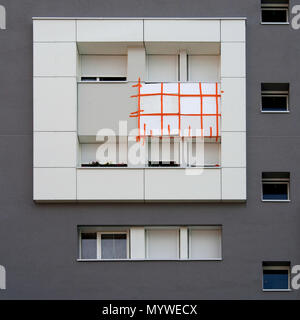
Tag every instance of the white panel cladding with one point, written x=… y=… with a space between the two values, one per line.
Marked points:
x=233 y=59
x=233 y=149
x=103 y=65
x=205 y=243
x=54 y=30
x=204 y=68
x=183 y=72
x=233 y=30
x=55 y=149
x=110 y=30
x=54 y=184
x=233 y=104
x=55 y=104
x=137 y=243
x=182 y=184
x=162 y=67
x=182 y=30
x=110 y=184
x=183 y=243
x=162 y=244
x=136 y=66
x=234 y=184
x=54 y=59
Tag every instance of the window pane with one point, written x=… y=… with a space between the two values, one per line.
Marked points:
x=113 y=246
x=88 y=246
x=162 y=244
x=274 y=15
x=271 y=103
x=205 y=244
x=276 y=279
x=273 y=191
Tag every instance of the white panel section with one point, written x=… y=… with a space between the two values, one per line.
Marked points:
x=55 y=104
x=182 y=184
x=54 y=59
x=233 y=59
x=55 y=149
x=162 y=244
x=109 y=30
x=234 y=184
x=54 y=30
x=110 y=184
x=204 y=68
x=136 y=66
x=104 y=65
x=162 y=68
x=233 y=30
x=205 y=244
x=183 y=243
x=137 y=243
x=183 y=72
x=233 y=104
x=233 y=149
x=54 y=184
x=182 y=30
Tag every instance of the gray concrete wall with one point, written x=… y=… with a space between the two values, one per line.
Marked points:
x=38 y=242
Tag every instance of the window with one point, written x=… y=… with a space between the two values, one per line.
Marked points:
x=276 y=276
x=275 y=186
x=103 y=67
x=274 y=97
x=162 y=244
x=162 y=68
x=203 y=68
x=274 y=11
x=103 y=245
x=205 y=243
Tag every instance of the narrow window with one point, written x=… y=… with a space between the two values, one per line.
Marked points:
x=274 y=11
x=113 y=246
x=275 y=186
x=89 y=245
x=276 y=275
x=162 y=68
x=274 y=97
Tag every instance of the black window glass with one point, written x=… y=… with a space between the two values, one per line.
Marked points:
x=273 y=103
x=274 y=15
x=275 y=191
x=276 y=279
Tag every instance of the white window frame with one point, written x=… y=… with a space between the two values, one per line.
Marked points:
x=98 y=245
x=219 y=228
x=276 y=181
x=288 y=268
x=275 y=94
x=162 y=228
x=275 y=7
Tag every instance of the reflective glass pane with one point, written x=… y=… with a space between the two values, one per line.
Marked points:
x=113 y=246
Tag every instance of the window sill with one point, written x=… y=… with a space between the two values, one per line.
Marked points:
x=275 y=23
x=276 y=290
x=262 y=111
x=146 y=260
x=152 y=168
x=101 y=82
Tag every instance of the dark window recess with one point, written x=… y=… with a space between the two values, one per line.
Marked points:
x=88 y=245
x=113 y=246
x=88 y=78
x=275 y=191
x=275 y=185
x=274 y=11
x=274 y=97
x=162 y=164
x=276 y=279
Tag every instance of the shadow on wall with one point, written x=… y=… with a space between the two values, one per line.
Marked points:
x=2 y=278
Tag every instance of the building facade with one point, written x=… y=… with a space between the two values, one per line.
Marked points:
x=152 y=150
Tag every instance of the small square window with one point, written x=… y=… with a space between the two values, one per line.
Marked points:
x=275 y=186
x=104 y=244
x=274 y=97
x=276 y=276
x=274 y=11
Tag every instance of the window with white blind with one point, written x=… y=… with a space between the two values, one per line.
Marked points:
x=103 y=67
x=203 y=68
x=162 y=244
x=162 y=68
x=205 y=243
